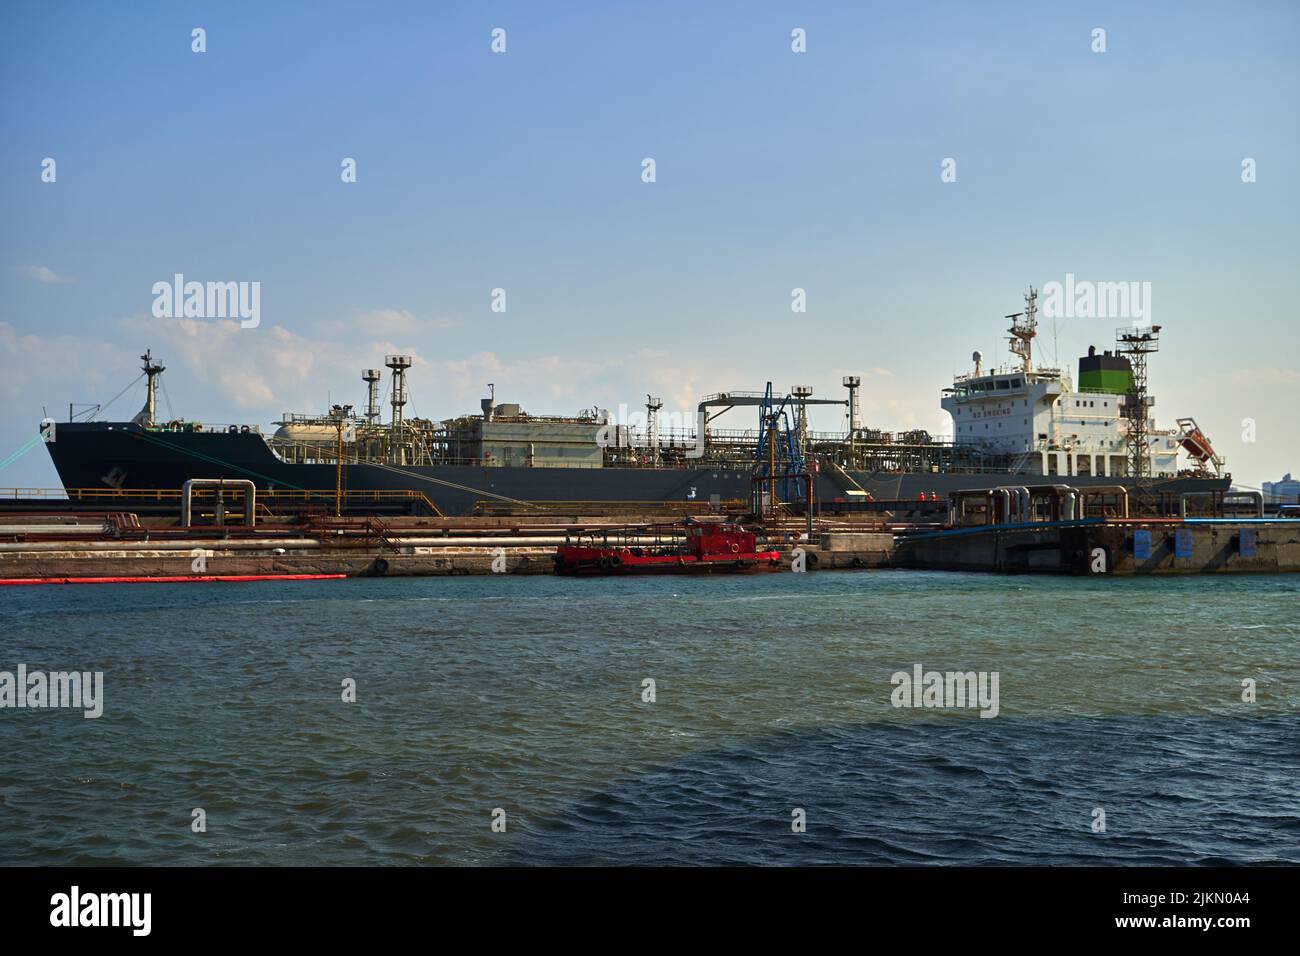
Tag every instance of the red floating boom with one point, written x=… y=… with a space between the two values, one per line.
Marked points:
x=191 y=579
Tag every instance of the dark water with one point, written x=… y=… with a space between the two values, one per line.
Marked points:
x=772 y=693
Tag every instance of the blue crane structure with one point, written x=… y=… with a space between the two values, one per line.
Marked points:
x=778 y=456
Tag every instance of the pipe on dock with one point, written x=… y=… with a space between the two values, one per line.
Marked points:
x=1023 y=507
x=182 y=546
x=491 y=542
x=1069 y=504
x=248 y=487
x=1024 y=503
x=1069 y=500
x=238 y=544
x=957 y=503
x=1089 y=490
x=1255 y=496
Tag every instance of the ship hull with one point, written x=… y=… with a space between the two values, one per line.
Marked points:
x=101 y=455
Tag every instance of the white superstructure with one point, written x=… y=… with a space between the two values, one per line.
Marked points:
x=1040 y=416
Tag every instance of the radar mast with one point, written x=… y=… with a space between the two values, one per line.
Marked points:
x=146 y=415
x=1024 y=326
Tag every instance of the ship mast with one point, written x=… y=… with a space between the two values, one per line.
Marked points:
x=146 y=416
x=1024 y=326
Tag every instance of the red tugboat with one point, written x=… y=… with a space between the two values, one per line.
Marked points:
x=709 y=548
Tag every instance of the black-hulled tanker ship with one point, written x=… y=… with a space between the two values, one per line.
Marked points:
x=1011 y=425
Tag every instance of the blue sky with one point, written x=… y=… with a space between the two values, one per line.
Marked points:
x=522 y=171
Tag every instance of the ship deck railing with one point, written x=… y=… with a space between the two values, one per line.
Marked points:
x=181 y=425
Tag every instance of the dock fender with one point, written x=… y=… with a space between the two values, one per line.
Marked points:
x=380 y=566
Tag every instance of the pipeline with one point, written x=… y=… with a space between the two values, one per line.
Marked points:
x=1255 y=496
x=1068 y=496
x=1024 y=503
x=183 y=546
x=220 y=484
x=299 y=544
x=1090 y=490
x=193 y=579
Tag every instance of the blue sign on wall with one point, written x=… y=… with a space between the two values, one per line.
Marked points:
x=1142 y=545
x=1246 y=542
x=1183 y=543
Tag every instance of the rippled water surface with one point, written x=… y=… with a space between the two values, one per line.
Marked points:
x=772 y=693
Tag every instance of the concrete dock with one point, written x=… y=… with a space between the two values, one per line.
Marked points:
x=1111 y=546
x=120 y=545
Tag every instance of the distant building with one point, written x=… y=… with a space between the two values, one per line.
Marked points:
x=1286 y=491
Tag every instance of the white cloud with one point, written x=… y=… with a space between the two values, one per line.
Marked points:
x=45 y=274
x=53 y=371
x=562 y=381
x=217 y=371
x=266 y=370
x=392 y=322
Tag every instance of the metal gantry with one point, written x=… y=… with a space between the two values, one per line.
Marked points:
x=1136 y=343
x=778 y=456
